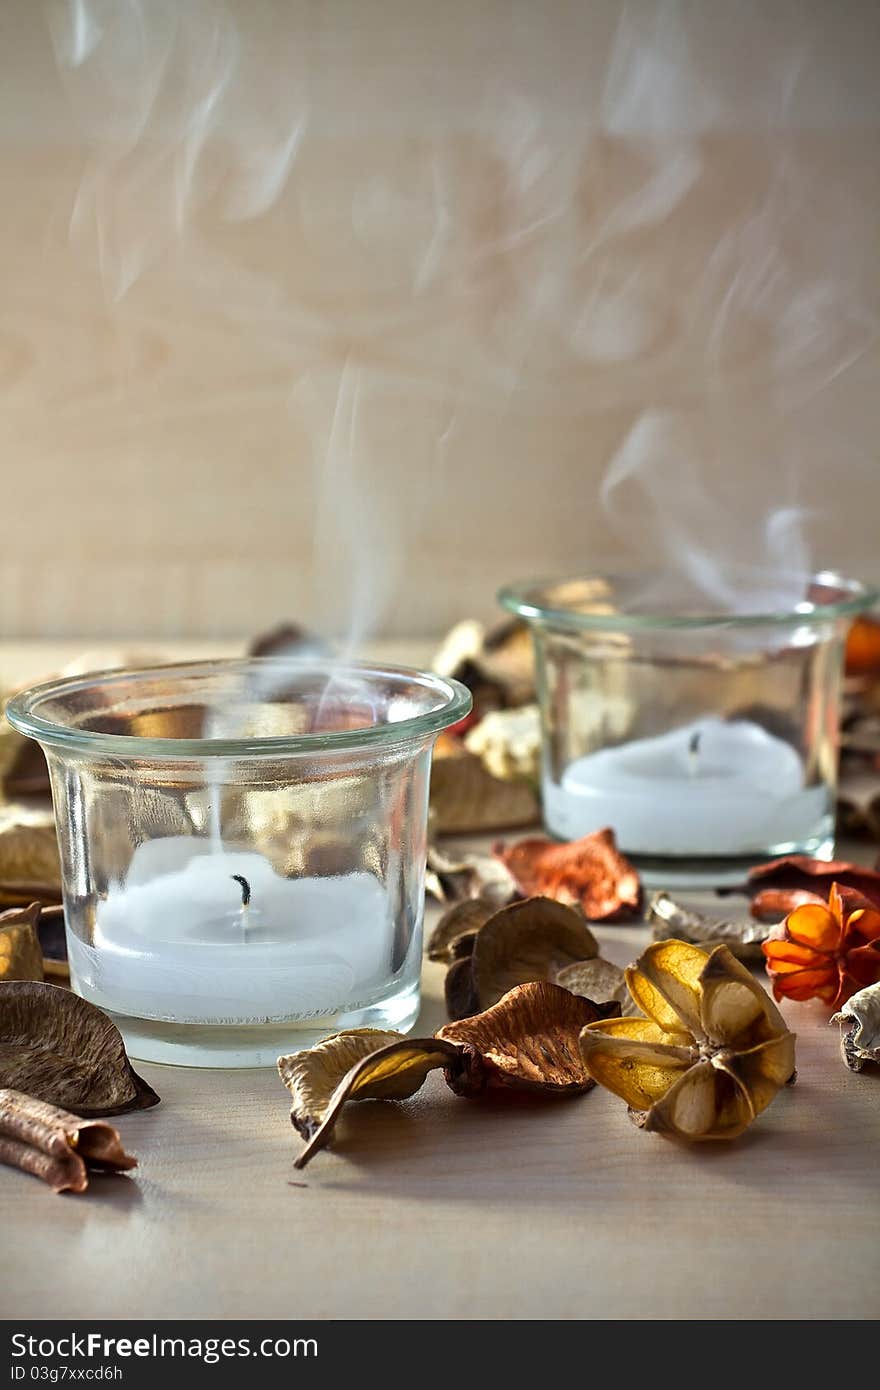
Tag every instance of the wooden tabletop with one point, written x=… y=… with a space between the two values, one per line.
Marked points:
x=445 y=1208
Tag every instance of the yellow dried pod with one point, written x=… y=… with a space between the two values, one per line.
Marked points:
x=711 y=1053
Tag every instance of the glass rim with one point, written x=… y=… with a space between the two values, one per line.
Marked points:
x=21 y=712
x=523 y=599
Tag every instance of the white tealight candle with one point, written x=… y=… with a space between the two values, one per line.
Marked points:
x=713 y=787
x=178 y=941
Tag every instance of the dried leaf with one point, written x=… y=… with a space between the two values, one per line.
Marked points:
x=525 y=942
x=20 y=954
x=711 y=1053
x=393 y=1070
x=591 y=873
x=671 y=919
x=598 y=980
x=771 y=904
x=466 y=799
x=860 y=1028
x=56 y=1146
x=528 y=1041
x=813 y=877
x=825 y=951
x=59 y=1048
x=454 y=934
x=508 y=743
x=467 y=875
x=459 y=989
x=30 y=868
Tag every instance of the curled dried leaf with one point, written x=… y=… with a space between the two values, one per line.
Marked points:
x=59 y=1048
x=711 y=1053
x=393 y=1070
x=591 y=873
x=453 y=936
x=465 y=798
x=524 y=942
x=508 y=742
x=528 y=1041
x=56 y=1146
x=671 y=919
x=859 y=1020
x=20 y=954
x=454 y=876
x=599 y=980
x=30 y=868
x=809 y=878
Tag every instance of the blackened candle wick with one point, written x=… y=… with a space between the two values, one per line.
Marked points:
x=245 y=888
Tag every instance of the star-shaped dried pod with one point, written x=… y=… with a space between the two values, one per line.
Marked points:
x=527 y=1041
x=826 y=950
x=20 y=955
x=590 y=873
x=523 y=942
x=61 y=1049
x=860 y=1028
x=711 y=1053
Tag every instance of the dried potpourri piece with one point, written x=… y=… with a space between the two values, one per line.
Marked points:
x=466 y=799
x=859 y=1018
x=528 y=1040
x=598 y=980
x=453 y=875
x=826 y=951
x=454 y=935
x=783 y=884
x=863 y=647
x=523 y=942
x=711 y=1053
x=497 y=666
x=508 y=743
x=30 y=867
x=52 y=937
x=55 y=1145
x=20 y=954
x=590 y=872
x=59 y=1048
x=671 y=919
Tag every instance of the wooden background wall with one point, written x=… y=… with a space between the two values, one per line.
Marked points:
x=343 y=310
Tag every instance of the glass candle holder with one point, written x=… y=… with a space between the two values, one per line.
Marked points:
x=242 y=848
x=706 y=740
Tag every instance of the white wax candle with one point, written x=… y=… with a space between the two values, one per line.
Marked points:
x=713 y=787
x=175 y=941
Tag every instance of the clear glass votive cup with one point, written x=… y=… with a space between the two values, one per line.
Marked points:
x=242 y=848
x=706 y=739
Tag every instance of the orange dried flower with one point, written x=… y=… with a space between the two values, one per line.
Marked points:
x=827 y=950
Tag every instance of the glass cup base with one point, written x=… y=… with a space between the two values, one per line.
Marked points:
x=246 y=1045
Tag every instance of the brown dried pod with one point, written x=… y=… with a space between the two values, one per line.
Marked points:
x=508 y=743
x=599 y=980
x=20 y=954
x=498 y=666
x=590 y=872
x=459 y=991
x=30 y=868
x=524 y=942
x=59 y=1048
x=528 y=1040
x=466 y=799
x=285 y=639
x=671 y=919
x=456 y=875
x=52 y=936
x=859 y=1020
x=453 y=936
x=55 y=1145
x=796 y=878
x=393 y=1070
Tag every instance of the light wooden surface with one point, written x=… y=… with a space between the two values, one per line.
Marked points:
x=446 y=1208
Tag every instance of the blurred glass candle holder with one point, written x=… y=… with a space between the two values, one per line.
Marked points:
x=705 y=738
x=242 y=848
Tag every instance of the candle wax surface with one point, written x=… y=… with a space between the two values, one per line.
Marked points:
x=176 y=942
x=713 y=787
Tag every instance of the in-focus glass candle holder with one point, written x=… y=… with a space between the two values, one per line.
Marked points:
x=242 y=848
x=705 y=739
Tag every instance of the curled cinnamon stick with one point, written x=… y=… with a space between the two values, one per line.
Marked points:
x=55 y=1145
